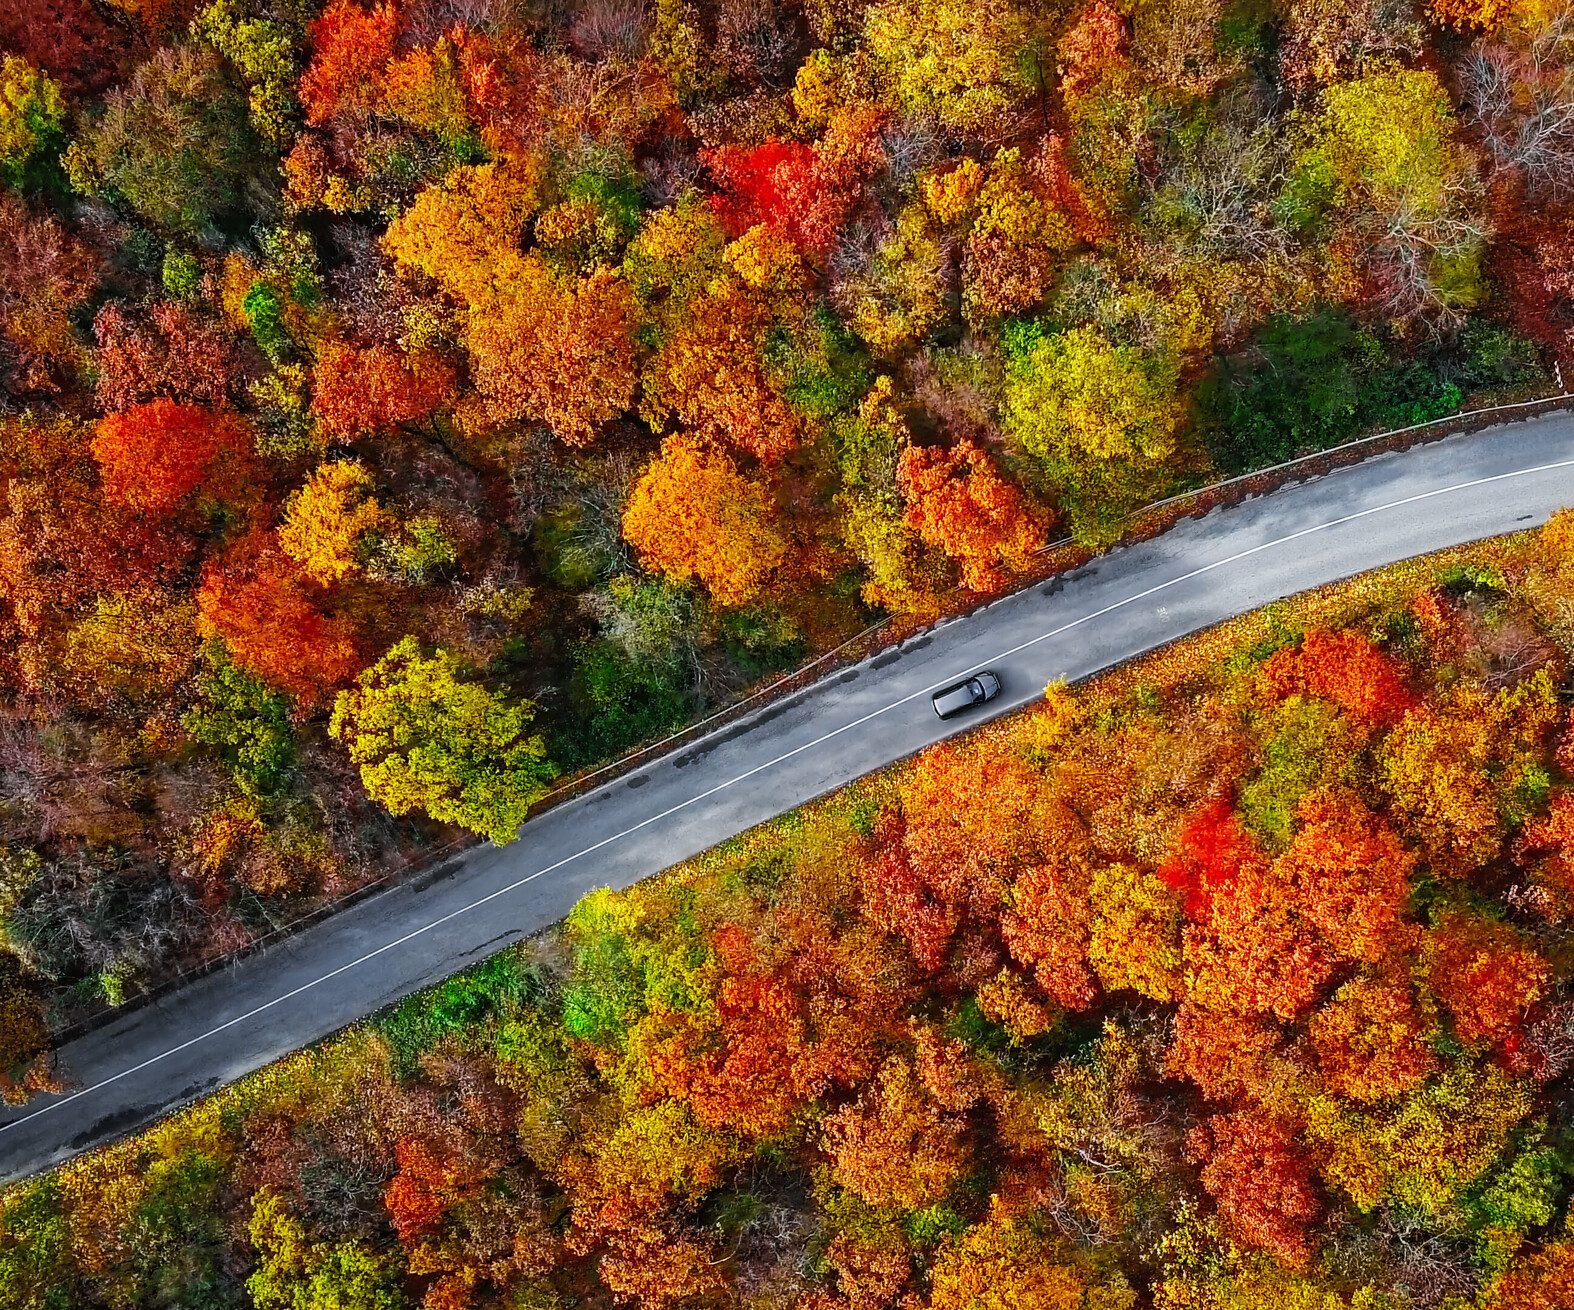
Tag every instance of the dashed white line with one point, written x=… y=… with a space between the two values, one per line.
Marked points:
x=760 y=768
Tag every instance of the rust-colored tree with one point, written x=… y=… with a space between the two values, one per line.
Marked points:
x=556 y=350
x=693 y=516
x=710 y=376
x=173 y=354
x=259 y=602
x=958 y=502
x=895 y=1146
x=1486 y=973
x=46 y=276
x=1350 y=876
x=1261 y=1180
x=1370 y=1041
x=755 y=1070
x=376 y=389
x=1257 y=953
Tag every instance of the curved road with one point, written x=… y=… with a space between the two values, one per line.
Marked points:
x=220 y=1027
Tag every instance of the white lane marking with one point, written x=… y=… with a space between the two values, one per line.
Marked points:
x=760 y=768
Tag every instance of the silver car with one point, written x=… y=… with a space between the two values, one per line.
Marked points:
x=966 y=694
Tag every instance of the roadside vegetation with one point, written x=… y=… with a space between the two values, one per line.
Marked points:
x=1237 y=979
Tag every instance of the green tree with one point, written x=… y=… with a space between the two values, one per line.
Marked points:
x=175 y=143
x=32 y=116
x=36 y=1271
x=246 y=723
x=626 y=699
x=426 y=739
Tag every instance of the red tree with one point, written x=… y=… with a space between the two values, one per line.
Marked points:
x=258 y=601
x=1226 y=1055
x=1207 y=856
x=783 y=183
x=965 y=829
x=76 y=42
x=154 y=456
x=1260 y=1181
x=1345 y=668
x=755 y=1073
x=413 y=1196
x=351 y=48
x=900 y=900
x=1047 y=929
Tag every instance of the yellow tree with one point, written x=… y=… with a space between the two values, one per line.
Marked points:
x=1016 y=234
x=965 y=63
x=32 y=115
x=326 y=520
x=1004 y=1264
x=1102 y=418
x=425 y=738
x=1385 y=154
x=464 y=232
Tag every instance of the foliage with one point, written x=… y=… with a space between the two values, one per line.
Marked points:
x=1046 y=1017
x=1101 y=418
x=425 y=738
x=377 y=389
x=628 y=355
x=295 y=1273
x=274 y=625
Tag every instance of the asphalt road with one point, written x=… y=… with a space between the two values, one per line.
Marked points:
x=153 y=1059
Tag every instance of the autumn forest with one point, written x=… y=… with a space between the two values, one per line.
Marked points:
x=1235 y=980
x=406 y=407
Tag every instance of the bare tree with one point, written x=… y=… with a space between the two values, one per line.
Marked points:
x=1425 y=251
x=1521 y=97
x=1215 y=190
x=602 y=29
